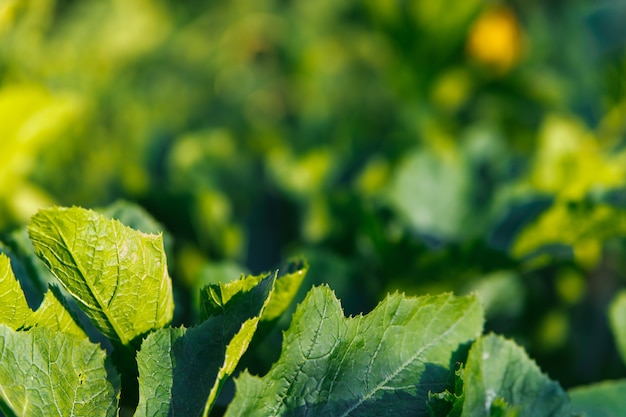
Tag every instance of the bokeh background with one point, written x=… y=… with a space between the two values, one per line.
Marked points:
x=419 y=146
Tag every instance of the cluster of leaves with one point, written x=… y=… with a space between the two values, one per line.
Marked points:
x=413 y=356
x=394 y=144
x=118 y=278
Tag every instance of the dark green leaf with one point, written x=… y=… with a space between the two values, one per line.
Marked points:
x=605 y=399
x=181 y=371
x=384 y=363
x=617 y=319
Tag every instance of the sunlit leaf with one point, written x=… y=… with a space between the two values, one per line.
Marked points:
x=48 y=373
x=13 y=307
x=583 y=227
x=15 y=312
x=117 y=275
x=570 y=161
x=213 y=298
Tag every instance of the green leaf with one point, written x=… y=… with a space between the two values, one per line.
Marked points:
x=417 y=194
x=134 y=216
x=55 y=314
x=582 y=226
x=13 y=307
x=181 y=371
x=617 y=319
x=384 y=363
x=285 y=289
x=48 y=373
x=15 y=312
x=499 y=372
x=214 y=297
x=117 y=275
x=605 y=399
x=31 y=273
x=156 y=361
x=446 y=403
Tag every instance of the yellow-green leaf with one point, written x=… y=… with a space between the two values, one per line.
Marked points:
x=15 y=312
x=46 y=373
x=117 y=275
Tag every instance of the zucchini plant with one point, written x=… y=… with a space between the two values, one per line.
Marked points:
x=101 y=343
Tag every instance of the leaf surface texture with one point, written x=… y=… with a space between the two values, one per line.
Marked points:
x=384 y=363
x=15 y=312
x=499 y=375
x=48 y=373
x=117 y=275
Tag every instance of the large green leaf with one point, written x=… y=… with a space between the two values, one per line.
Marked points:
x=384 y=363
x=47 y=373
x=181 y=371
x=498 y=372
x=617 y=318
x=605 y=399
x=117 y=275
x=15 y=312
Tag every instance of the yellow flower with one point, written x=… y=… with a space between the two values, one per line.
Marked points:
x=495 y=39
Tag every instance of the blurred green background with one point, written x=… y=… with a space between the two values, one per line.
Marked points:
x=417 y=146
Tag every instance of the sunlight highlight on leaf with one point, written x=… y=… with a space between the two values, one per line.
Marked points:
x=47 y=373
x=117 y=275
x=15 y=312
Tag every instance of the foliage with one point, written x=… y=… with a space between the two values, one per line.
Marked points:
x=117 y=276
x=409 y=356
x=384 y=362
x=421 y=147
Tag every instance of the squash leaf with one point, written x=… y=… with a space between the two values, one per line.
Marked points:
x=117 y=275
x=48 y=373
x=499 y=375
x=383 y=363
x=15 y=312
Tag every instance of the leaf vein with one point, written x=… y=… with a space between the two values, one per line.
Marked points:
x=410 y=360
